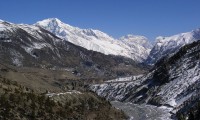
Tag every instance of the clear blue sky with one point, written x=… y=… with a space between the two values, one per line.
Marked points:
x=150 y=18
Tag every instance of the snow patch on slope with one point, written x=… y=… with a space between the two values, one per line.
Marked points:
x=68 y=92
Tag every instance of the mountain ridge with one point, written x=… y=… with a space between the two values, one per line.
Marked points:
x=96 y=40
x=33 y=46
x=173 y=82
x=170 y=45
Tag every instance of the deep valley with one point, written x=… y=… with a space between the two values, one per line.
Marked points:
x=51 y=70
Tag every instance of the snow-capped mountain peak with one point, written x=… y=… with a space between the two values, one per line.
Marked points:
x=133 y=37
x=95 y=40
x=169 y=45
x=140 y=46
x=136 y=39
x=54 y=21
x=54 y=24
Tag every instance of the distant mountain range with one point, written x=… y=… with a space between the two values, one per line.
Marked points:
x=64 y=53
x=131 y=46
x=135 y=47
x=25 y=45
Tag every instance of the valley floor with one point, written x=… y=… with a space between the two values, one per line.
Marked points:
x=143 y=112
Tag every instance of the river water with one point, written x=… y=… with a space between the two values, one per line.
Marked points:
x=143 y=112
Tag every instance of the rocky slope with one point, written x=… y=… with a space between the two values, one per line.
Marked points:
x=170 y=45
x=173 y=82
x=99 y=41
x=32 y=46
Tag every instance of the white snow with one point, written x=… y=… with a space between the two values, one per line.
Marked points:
x=98 y=41
x=68 y=92
x=169 y=45
x=125 y=79
x=16 y=58
x=2 y=27
x=183 y=84
x=117 y=90
x=36 y=46
x=32 y=30
x=186 y=78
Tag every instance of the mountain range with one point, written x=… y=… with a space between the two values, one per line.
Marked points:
x=55 y=57
x=170 y=45
x=134 y=47
x=25 y=45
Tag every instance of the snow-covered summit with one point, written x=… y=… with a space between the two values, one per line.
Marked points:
x=169 y=45
x=142 y=40
x=53 y=24
x=94 y=40
x=140 y=46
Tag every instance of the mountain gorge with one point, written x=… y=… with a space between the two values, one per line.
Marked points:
x=173 y=82
x=78 y=71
